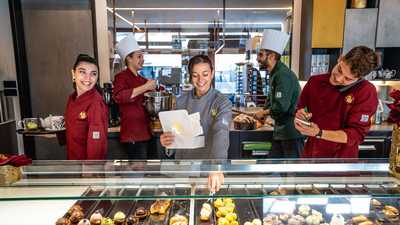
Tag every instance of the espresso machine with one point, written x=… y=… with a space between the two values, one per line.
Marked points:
x=113 y=110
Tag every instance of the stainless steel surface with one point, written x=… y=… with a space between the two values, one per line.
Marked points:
x=156 y=102
x=360 y=28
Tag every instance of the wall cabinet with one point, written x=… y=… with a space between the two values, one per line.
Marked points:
x=388 y=24
x=360 y=28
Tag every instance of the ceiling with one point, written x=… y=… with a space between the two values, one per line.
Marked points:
x=192 y=14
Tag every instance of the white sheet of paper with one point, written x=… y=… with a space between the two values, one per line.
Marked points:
x=186 y=128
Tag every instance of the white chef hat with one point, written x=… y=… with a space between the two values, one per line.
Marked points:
x=127 y=45
x=274 y=40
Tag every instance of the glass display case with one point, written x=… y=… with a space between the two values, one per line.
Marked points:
x=255 y=192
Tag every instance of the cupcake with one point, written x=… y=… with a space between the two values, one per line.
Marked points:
x=84 y=222
x=96 y=218
x=76 y=216
x=73 y=208
x=63 y=221
x=131 y=220
x=119 y=218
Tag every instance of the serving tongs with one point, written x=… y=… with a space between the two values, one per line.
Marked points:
x=212 y=194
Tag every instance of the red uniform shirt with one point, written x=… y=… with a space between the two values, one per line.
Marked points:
x=86 y=123
x=134 y=118
x=331 y=109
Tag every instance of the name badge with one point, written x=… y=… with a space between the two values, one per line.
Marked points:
x=364 y=118
x=278 y=94
x=96 y=135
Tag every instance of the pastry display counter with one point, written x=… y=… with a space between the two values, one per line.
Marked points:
x=255 y=192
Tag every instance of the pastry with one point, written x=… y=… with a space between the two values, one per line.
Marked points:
x=284 y=217
x=76 y=216
x=247 y=223
x=256 y=222
x=84 y=222
x=63 y=221
x=313 y=219
x=304 y=210
x=224 y=221
x=218 y=203
x=375 y=203
x=391 y=208
x=178 y=220
x=74 y=208
x=107 y=221
x=160 y=206
x=234 y=223
x=205 y=212
x=231 y=216
x=244 y=122
x=95 y=218
x=131 y=220
x=119 y=218
x=271 y=219
x=359 y=219
x=337 y=219
x=141 y=213
x=366 y=223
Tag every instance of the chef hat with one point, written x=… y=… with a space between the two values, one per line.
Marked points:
x=274 y=40
x=253 y=43
x=127 y=45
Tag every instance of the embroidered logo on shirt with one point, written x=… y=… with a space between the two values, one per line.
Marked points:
x=349 y=99
x=214 y=112
x=278 y=94
x=82 y=115
x=364 y=118
x=96 y=135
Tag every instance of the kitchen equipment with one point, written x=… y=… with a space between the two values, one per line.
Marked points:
x=156 y=102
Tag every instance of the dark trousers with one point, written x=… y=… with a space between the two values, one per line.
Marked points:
x=137 y=150
x=287 y=148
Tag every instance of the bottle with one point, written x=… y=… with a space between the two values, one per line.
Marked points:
x=379 y=113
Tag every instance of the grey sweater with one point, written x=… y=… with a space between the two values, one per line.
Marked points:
x=215 y=117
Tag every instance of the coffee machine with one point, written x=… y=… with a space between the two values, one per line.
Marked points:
x=113 y=110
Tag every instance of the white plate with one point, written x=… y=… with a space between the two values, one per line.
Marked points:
x=49 y=129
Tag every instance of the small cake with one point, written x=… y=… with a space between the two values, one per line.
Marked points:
x=84 y=222
x=178 y=220
x=234 y=223
x=119 y=218
x=107 y=221
x=375 y=203
x=160 y=206
x=223 y=221
x=337 y=219
x=284 y=217
x=231 y=216
x=366 y=223
x=256 y=222
x=247 y=223
x=205 y=212
x=141 y=213
x=218 y=203
x=131 y=220
x=76 y=216
x=296 y=220
x=73 y=208
x=359 y=219
x=313 y=220
x=95 y=218
x=63 y=221
x=271 y=219
x=304 y=210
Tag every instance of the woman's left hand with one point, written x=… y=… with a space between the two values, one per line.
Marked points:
x=215 y=181
x=311 y=130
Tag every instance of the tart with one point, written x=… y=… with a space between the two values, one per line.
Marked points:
x=178 y=220
x=73 y=208
x=141 y=213
x=119 y=218
x=95 y=218
x=366 y=223
x=359 y=219
x=107 y=221
x=160 y=206
x=63 y=221
x=76 y=216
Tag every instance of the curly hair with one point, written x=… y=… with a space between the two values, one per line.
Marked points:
x=361 y=60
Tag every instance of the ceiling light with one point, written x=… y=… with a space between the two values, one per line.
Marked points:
x=206 y=9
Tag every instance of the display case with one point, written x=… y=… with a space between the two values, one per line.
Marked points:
x=255 y=192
